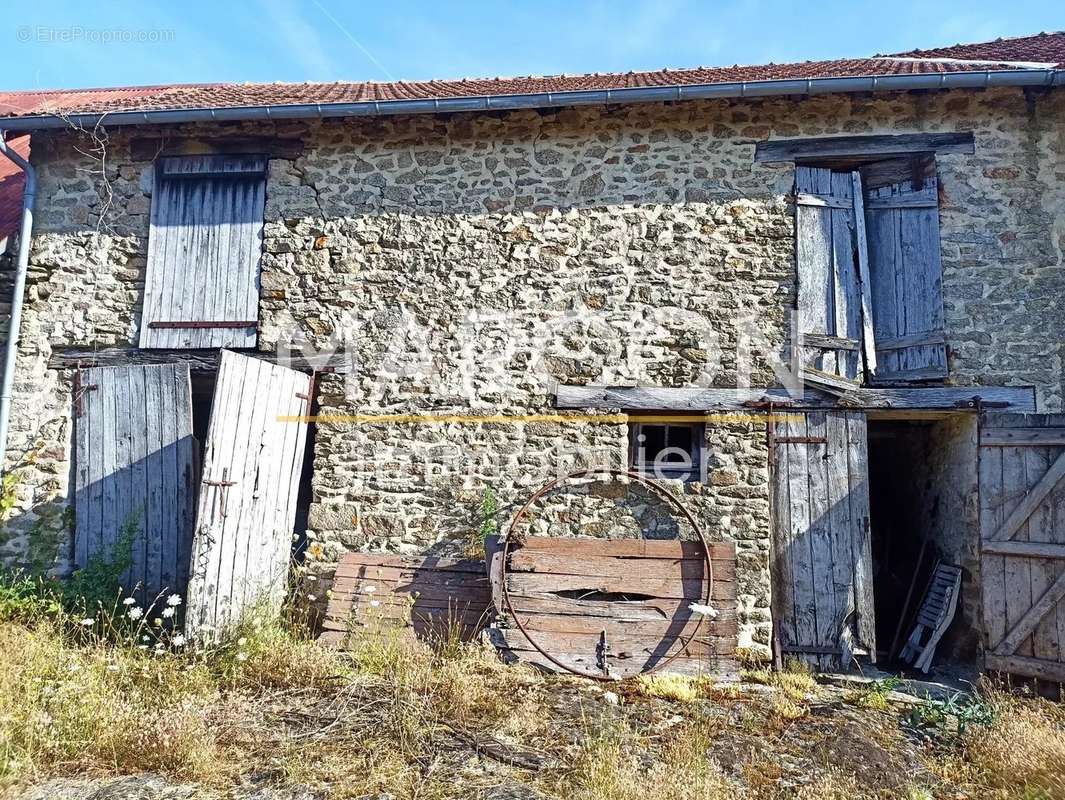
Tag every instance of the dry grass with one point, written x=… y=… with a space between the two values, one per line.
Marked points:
x=389 y=716
x=1022 y=753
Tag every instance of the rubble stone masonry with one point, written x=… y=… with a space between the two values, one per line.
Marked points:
x=465 y=264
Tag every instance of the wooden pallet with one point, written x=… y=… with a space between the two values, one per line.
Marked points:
x=617 y=607
x=432 y=597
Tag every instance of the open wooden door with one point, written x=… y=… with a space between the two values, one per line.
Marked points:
x=247 y=505
x=134 y=469
x=1022 y=531
x=822 y=560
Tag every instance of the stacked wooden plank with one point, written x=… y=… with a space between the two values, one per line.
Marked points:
x=618 y=607
x=433 y=597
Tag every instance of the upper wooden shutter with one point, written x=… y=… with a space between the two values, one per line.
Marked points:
x=829 y=297
x=822 y=557
x=906 y=273
x=247 y=502
x=1022 y=525
x=201 y=288
x=135 y=465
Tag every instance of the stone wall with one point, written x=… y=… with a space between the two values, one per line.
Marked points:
x=464 y=264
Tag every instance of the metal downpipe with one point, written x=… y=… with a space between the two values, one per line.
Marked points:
x=21 y=267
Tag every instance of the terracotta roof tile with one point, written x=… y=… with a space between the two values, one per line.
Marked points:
x=12 y=179
x=1048 y=48
x=992 y=55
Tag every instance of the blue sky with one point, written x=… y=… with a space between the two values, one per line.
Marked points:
x=64 y=43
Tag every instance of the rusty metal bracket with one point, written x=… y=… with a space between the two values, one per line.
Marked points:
x=223 y=485
x=977 y=403
x=205 y=324
x=800 y=440
x=79 y=391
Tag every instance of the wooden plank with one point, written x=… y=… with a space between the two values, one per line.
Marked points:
x=1023 y=627
x=725 y=624
x=549 y=585
x=861 y=249
x=658 y=608
x=629 y=548
x=819 y=534
x=992 y=567
x=841 y=531
x=640 y=647
x=1027 y=667
x=1044 y=571
x=858 y=472
x=829 y=342
x=1034 y=497
x=911 y=340
x=902 y=201
x=1051 y=550
x=876 y=145
x=799 y=544
x=1018 y=570
x=821 y=200
x=1019 y=437
x=691 y=399
x=546 y=562
x=813 y=258
x=828 y=382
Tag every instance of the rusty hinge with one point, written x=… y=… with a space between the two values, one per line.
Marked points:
x=206 y=324
x=223 y=485
x=800 y=440
x=79 y=392
x=978 y=403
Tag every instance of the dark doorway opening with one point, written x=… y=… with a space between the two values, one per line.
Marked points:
x=922 y=492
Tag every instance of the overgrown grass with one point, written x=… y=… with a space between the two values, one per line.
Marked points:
x=387 y=715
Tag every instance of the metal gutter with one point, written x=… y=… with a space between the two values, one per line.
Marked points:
x=983 y=79
x=29 y=193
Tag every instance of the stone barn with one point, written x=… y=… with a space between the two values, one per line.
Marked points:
x=821 y=303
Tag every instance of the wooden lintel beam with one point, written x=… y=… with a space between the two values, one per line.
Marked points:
x=1018 y=399
x=198 y=360
x=864 y=146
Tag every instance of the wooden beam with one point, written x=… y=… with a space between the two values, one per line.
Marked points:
x=149 y=148
x=1026 y=624
x=1051 y=478
x=863 y=146
x=911 y=340
x=1022 y=437
x=1018 y=399
x=864 y=280
x=1024 y=549
x=198 y=360
x=828 y=382
x=1025 y=666
x=826 y=342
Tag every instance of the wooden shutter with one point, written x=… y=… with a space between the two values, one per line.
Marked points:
x=247 y=506
x=829 y=291
x=906 y=274
x=1022 y=525
x=822 y=559
x=201 y=289
x=135 y=461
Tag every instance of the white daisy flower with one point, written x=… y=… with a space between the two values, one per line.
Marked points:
x=173 y=600
x=135 y=613
x=168 y=612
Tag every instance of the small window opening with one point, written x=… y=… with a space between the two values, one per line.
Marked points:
x=666 y=450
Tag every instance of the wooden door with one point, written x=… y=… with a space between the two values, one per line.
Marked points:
x=906 y=276
x=829 y=292
x=1022 y=532
x=822 y=560
x=134 y=468
x=247 y=506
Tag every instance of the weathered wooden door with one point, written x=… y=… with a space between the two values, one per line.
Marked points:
x=247 y=505
x=135 y=470
x=1022 y=531
x=906 y=276
x=829 y=291
x=821 y=557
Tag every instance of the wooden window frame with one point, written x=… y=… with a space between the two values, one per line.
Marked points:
x=691 y=472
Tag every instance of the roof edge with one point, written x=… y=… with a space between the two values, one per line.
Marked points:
x=980 y=79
